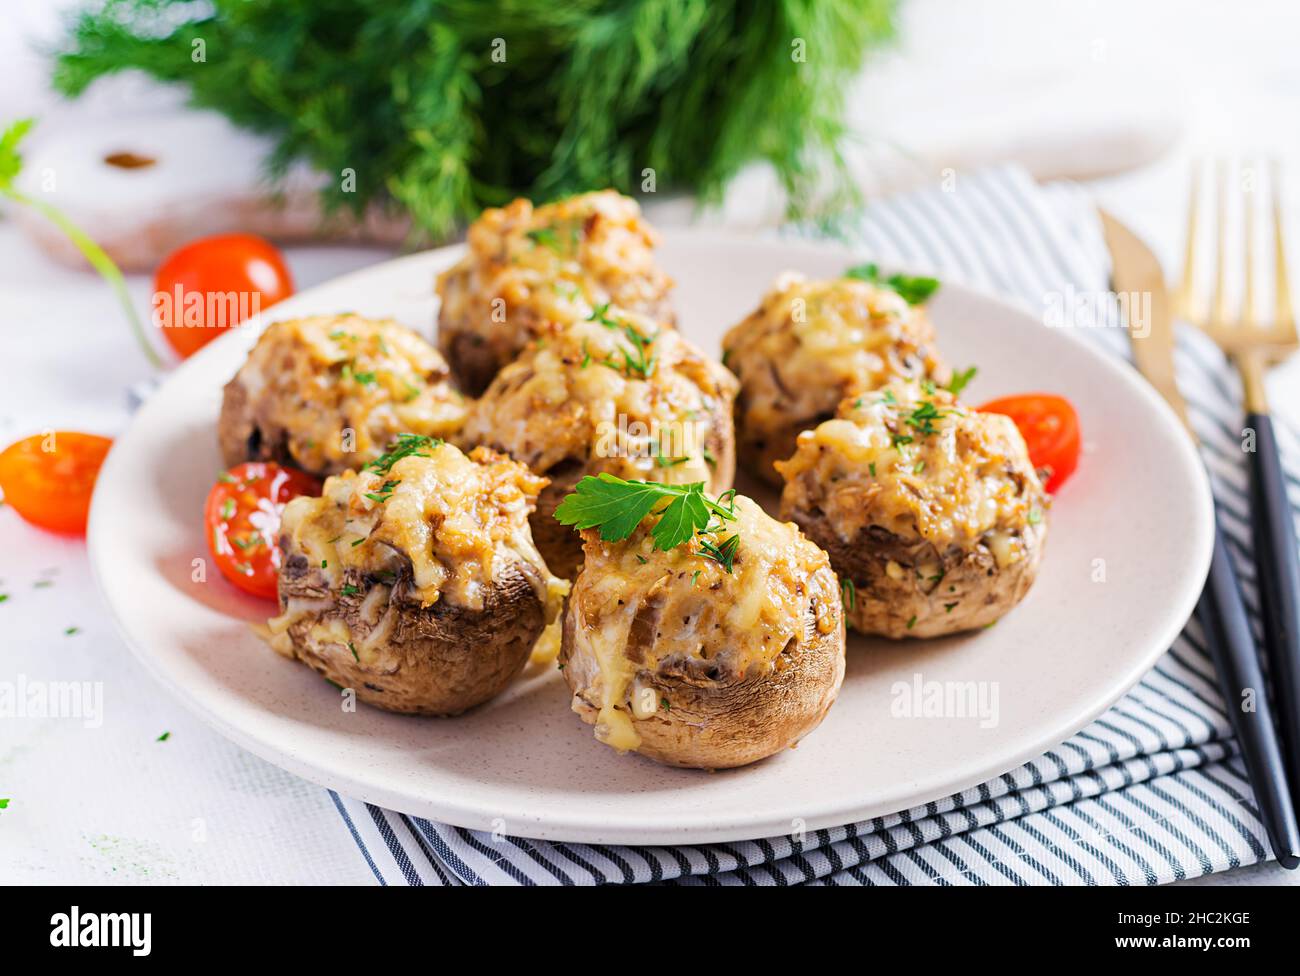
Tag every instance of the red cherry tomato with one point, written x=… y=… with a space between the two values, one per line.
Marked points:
x=48 y=478
x=214 y=283
x=1050 y=428
x=242 y=518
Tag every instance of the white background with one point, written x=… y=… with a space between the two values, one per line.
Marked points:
x=1069 y=88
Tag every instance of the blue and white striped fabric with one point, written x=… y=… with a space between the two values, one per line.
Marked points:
x=1151 y=792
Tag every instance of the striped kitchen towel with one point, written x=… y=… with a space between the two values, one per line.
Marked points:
x=1151 y=792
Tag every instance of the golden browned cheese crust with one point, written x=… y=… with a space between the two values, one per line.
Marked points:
x=810 y=344
x=530 y=271
x=671 y=655
x=418 y=586
x=931 y=511
x=328 y=393
x=593 y=399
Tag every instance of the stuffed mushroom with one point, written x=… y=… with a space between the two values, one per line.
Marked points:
x=810 y=344
x=615 y=393
x=932 y=513
x=707 y=654
x=415 y=581
x=327 y=393
x=532 y=271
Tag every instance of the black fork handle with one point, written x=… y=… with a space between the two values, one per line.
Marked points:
x=1278 y=569
x=1241 y=682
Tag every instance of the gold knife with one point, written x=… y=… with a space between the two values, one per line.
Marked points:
x=1136 y=272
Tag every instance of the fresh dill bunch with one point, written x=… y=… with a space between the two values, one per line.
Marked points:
x=443 y=107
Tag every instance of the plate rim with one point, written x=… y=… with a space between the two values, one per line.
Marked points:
x=579 y=829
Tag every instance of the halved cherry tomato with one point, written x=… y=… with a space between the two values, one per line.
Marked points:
x=48 y=478
x=242 y=518
x=1050 y=428
x=214 y=283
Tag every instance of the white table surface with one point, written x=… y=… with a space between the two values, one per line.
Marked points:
x=111 y=804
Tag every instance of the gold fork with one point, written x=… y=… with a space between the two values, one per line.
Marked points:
x=1252 y=343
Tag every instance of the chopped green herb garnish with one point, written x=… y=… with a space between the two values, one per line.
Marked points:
x=349 y=590
x=43 y=584
x=228 y=509
x=352 y=648
x=665 y=704
x=947 y=607
x=724 y=555
x=71 y=630
x=252 y=541
x=635 y=360
x=918 y=467
x=405 y=445
x=641 y=559
x=850 y=592
x=923 y=417
x=384 y=493
x=1034 y=516
x=959 y=380
x=4 y=803
x=911 y=622
x=709 y=459
x=872 y=468
x=164 y=737
x=324 y=564
x=695 y=577
x=226 y=478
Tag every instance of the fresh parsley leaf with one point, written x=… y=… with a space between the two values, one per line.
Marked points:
x=914 y=290
x=617 y=506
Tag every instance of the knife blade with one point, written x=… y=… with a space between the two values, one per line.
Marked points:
x=1135 y=271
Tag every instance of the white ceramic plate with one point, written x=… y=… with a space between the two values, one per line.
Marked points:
x=1127 y=553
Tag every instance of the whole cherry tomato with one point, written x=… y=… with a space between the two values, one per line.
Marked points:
x=242 y=519
x=48 y=478
x=215 y=283
x=1050 y=428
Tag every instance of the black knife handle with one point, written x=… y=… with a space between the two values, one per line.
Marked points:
x=1241 y=682
x=1278 y=569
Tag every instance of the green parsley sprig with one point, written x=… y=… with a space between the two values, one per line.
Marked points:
x=915 y=290
x=616 y=507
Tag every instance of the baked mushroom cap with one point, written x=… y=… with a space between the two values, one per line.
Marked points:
x=672 y=655
x=327 y=393
x=932 y=513
x=809 y=345
x=616 y=394
x=532 y=271
x=416 y=582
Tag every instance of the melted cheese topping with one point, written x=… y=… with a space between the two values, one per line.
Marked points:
x=552 y=265
x=342 y=386
x=811 y=343
x=575 y=397
x=692 y=612
x=912 y=460
x=457 y=522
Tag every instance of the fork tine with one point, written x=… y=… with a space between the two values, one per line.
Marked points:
x=1284 y=320
x=1188 y=290
x=1219 y=317
x=1250 y=297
